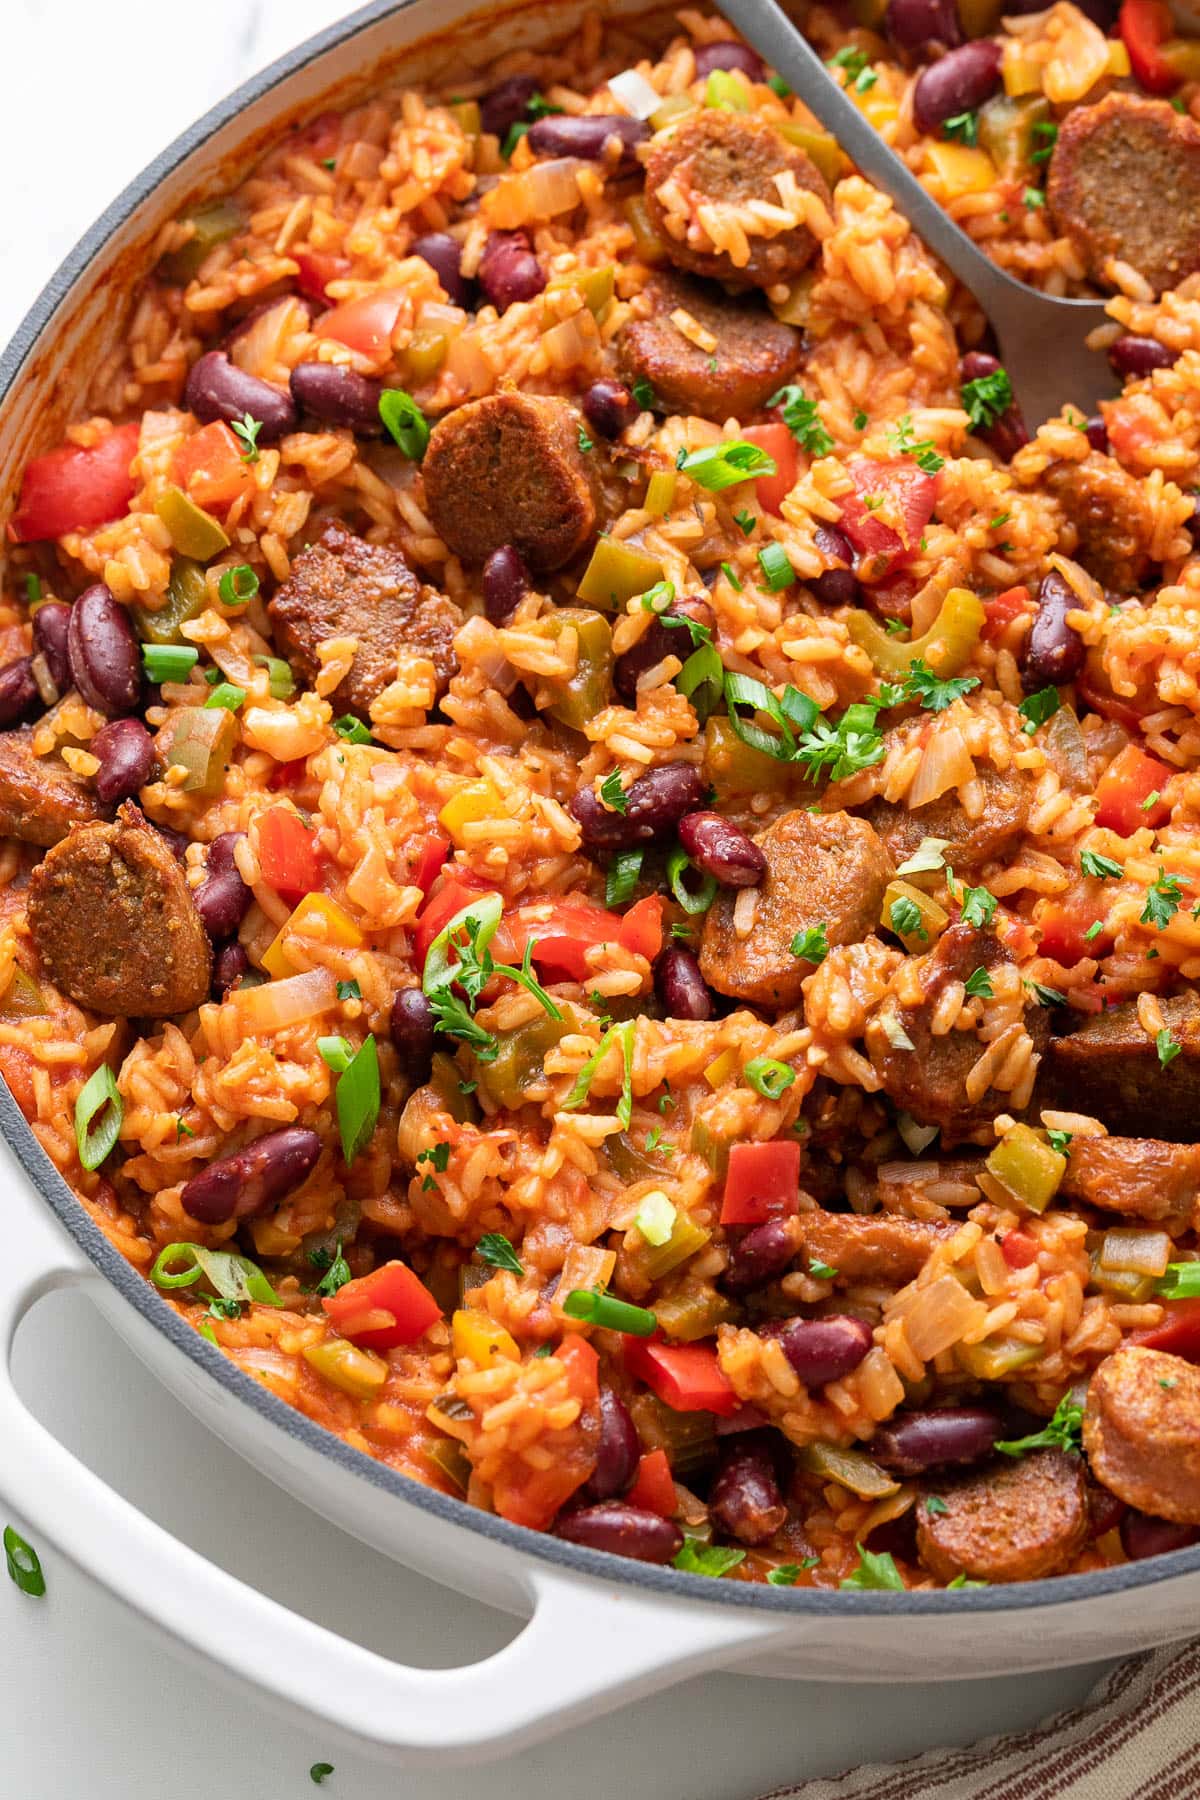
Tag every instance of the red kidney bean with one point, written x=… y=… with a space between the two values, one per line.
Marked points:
x=218 y=389
x=507 y=103
x=338 y=395
x=1143 y=1536
x=443 y=253
x=617 y=1452
x=835 y=587
x=744 y=1500
x=1008 y=433
x=726 y=54
x=105 y=661
x=624 y=1531
x=19 y=694
x=920 y=28
x=681 y=988
x=653 y=806
x=915 y=1441
x=222 y=852
x=51 y=623
x=608 y=407
x=413 y=1028
x=222 y=900
x=127 y=757
x=506 y=581
x=508 y=269
x=1105 y=1511
x=822 y=1350
x=721 y=849
x=958 y=82
x=1130 y=355
x=251 y=1180
x=661 y=640
x=1054 y=650
x=761 y=1256
x=229 y=965
x=608 y=138
x=1096 y=432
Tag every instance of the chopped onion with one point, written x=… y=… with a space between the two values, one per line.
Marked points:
x=277 y=1004
x=635 y=94
x=946 y=764
x=565 y=343
x=477 y=644
x=916 y=1137
x=894 y=1032
x=940 y=1316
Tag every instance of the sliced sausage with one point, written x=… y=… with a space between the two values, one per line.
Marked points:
x=971 y=841
x=1110 y=1068
x=754 y=353
x=1141 y=1431
x=822 y=869
x=1143 y=1178
x=508 y=470
x=113 y=922
x=1125 y=182
x=874 y=1247
x=1013 y=1521
x=726 y=160
x=342 y=586
x=40 y=798
x=1109 y=516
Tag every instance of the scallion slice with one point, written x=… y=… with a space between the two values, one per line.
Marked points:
x=720 y=466
x=237 y=585
x=655 y=1217
x=778 y=572
x=227 y=696
x=358 y=1100
x=169 y=662
x=405 y=422
x=694 y=901
x=622 y=876
x=230 y=1276
x=99 y=1111
x=336 y=1053
x=23 y=1565
x=594 y=1308
x=768 y=1077
x=701 y=679
x=279 y=676
x=439 y=970
x=352 y=729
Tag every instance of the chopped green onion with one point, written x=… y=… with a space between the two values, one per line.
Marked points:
x=701 y=680
x=622 y=876
x=594 y=1308
x=23 y=1565
x=1181 y=1282
x=33 y=589
x=713 y=1560
x=720 y=466
x=98 y=1098
x=778 y=572
x=237 y=585
x=405 y=422
x=494 y=1249
x=768 y=1077
x=226 y=696
x=230 y=1276
x=358 y=1100
x=352 y=729
x=655 y=1217
x=319 y=1771
x=692 y=901
x=335 y=1053
x=169 y=662
x=279 y=676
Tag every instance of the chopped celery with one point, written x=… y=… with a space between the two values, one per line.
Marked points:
x=660 y=492
x=579 y=697
x=1027 y=1168
x=685 y=1239
x=359 y=1373
x=187 y=597
x=202 y=740
x=947 y=645
x=616 y=573
x=851 y=1469
x=214 y=224
x=692 y=1314
x=820 y=148
x=996 y=1358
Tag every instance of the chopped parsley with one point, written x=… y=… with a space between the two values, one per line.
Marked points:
x=644 y=394
x=1163 y=900
x=1047 y=129
x=922 y=450
x=821 y=1271
x=1102 y=867
x=936 y=1505
x=800 y=416
x=1034 y=198
x=468 y=934
x=935 y=696
x=585 y=442
x=1059 y=1140
x=1047 y=996
x=804 y=737
x=713 y=1560
x=336 y=1275
x=906 y=921
x=246 y=430
x=859 y=421
x=811 y=944
x=851 y=59
x=746 y=520
x=1039 y=707
x=978 y=907
x=1062 y=1432
x=319 y=1771
x=987 y=399
x=438 y=1158
x=979 y=984
x=963 y=128
x=495 y=1249
x=1166 y=1046
x=876 y=1569
x=613 y=794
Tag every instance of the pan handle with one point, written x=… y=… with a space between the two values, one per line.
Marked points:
x=588 y=1646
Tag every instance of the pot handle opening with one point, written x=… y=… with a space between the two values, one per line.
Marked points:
x=588 y=1646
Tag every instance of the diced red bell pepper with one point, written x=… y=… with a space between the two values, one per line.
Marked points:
x=640 y=929
x=456 y=891
x=287 y=855
x=583 y=1369
x=390 y=1306
x=686 y=1377
x=1001 y=610
x=1101 y=699
x=211 y=468
x=317 y=268
x=771 y=490
x=285 y=777
x=763 y=1183
x=1064 y=927
x=654 y=1487
x=1145 y=26
x=1179 y=1332
x=431 y=854
x=1124 y=788
x=73 y=489
x=905 y=489
x=1018 y=1249
x=365 y=325
x=561 y=931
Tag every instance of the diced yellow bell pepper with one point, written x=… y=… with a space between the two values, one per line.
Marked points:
x=617 y=572
x=930 y=925
x=963 y=169
x=480 y=1339
x=339 y=929
x=720 y=1069
x=467 y=115
x=660 y=492
x=1027 y=1168
x=357 y=1372
x=475 y=801
x=1021 y=74
x=1118 y=59
x=879 y=108
x=270 y=1240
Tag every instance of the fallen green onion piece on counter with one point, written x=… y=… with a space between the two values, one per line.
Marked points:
x=24 y=1566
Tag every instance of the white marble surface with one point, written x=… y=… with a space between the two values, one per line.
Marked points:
x=92 y=1704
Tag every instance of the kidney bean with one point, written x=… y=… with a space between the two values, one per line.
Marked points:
x=19 y=694
x=822 y=1350
x=106 y=664
x=1096 y=432
x=623 y=1530
x=920 y=28
x=1007 y=434
x=617 y=1452
x=218 y=389
x=744 y=1499
x=1143 y=1536
x=660 y=641
x=507 y=103
x=222 y=900
x=443 y=253
x=653 y=805
x=609 y=138
x=835 y=587
x=509 y=270
x=1054 y=650
x=726 y=54
x=338 y=395
x=127 y=758
x=229 y=965
x=413 y=1027
x=958 y=82
x=681 y=988
x=913 y=1442
x=251 y=1180
x=608 y=407
x=1130 y=355
x=222 y=852
x=761 y=1256
x=721 y=849
x=506 y=581
x=1105 y=1510
x=51 y=623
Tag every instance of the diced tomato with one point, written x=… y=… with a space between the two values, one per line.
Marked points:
x=905 y=490
x=285 y=777
x=1179 y=1332
x=653 y=1487
x=763 y=1183
x=317 y=269
x=365 y=325
x=72 y=489
x=1145 y=26
x=1002 y=609
x=389 y=1306
x=431 y=853
x=1124 y=788
x=1018 y=1249
x=583 y=1369
x=457 y=890
x=286 y=854
x=640 y=930
x=1064 y=926
x=211 y=468
x=687 y=1377
x=778 y=442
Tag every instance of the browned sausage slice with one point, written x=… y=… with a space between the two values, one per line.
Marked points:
x=508 y=470
x=1143 y=1178
x=728 y=160
x=969 y=842
x=876 y=1247
x=1013 y=1521
x=1125 y=182
x=1141 y=1431
x=1110 y=1068
x=822 y=869
x=113 y=922
x=1110 y=516
x=754 y=353
x=40 y=798
x=342 y=586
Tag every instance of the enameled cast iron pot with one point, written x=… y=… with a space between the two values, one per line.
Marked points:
x=600 y=1628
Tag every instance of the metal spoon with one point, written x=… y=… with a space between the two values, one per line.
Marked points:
x=1041 y=337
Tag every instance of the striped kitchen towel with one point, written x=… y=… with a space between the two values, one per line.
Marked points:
x=1135 y=1737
